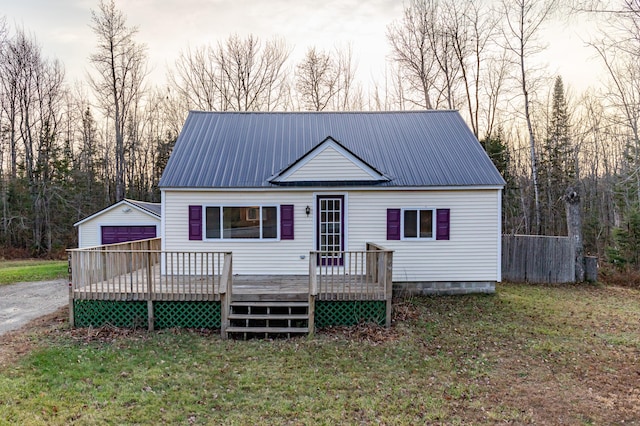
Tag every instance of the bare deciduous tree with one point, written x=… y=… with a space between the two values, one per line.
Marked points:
x=350 y=96
x=471 y=26
x=619 y=50
x=34 y=103
x=446 y=53
x=195 y=79
x=237 y=75
x=252 y=76
x=120 y=63
x=523 y=21
x=493 y=87
x=411 y=49
x=317 y=80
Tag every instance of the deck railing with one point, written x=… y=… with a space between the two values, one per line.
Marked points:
x=141 y=271
x=352 y=275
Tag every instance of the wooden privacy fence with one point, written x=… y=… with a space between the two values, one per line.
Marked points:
x=537 y=259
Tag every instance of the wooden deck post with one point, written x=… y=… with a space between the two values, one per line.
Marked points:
x=313 y=292
x=72 y=322
x=372 y=258
x=225 y=294
x=103 y=264
x=388 y=278
x=150 y=316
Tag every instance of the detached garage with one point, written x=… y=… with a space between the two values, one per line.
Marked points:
x=127 y=220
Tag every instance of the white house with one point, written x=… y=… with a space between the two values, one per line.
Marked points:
x=127 y=220
x=271 y=187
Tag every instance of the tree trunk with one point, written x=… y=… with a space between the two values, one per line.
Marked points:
x=574 y=226
x=532 y=146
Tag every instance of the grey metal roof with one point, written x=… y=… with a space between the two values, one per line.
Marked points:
x=153 y=208
x=244 y=149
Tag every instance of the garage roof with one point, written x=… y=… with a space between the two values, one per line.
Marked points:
x=151 y=209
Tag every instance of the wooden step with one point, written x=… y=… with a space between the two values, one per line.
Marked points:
x=269 y=316
x=272 y=317
x=235 y=329
x=259 y=297
x=272 y=304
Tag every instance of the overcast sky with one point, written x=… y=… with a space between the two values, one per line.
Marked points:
x=167 y=26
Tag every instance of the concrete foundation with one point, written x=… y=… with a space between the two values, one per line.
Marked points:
x=402 y=289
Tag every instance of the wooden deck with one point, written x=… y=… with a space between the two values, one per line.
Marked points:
x=135 y=286
x=140 y=271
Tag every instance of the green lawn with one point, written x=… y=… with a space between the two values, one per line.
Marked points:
x=16 y=271
x=528 y=354
x=31 y=270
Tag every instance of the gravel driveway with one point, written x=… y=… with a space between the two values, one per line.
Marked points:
x=22 y=302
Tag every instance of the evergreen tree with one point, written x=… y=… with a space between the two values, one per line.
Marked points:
x=625 y=253
x=498 y=152
x=557 y=163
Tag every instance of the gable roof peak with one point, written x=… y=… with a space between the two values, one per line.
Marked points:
x=320 y=162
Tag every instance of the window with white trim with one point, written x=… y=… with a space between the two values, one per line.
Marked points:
x=241 y=222
x=418 y=224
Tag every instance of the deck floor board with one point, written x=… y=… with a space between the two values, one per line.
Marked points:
x=134 y=286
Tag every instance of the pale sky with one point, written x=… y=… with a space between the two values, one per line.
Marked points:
x=167 y=26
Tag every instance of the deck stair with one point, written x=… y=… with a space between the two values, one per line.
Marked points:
x=267 y=318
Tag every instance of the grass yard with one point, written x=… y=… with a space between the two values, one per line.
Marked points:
x=31 y=270
x=529 y=354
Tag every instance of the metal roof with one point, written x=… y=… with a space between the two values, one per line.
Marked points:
x=245 y=149
x=151 y=209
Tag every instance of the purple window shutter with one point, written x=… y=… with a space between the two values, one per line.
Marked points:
x=393 y=224
x=442 y=224
x=286 y=222
x=195 y=222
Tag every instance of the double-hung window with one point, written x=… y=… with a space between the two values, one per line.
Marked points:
x=418 y=223
x=241 y=222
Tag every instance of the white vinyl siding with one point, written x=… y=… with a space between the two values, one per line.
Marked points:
x=472 y=253
x=323 y=167
x=90 y=234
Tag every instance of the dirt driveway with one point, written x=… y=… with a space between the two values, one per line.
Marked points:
x=23 y=302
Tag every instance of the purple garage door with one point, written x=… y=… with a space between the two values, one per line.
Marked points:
x=121 y=234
